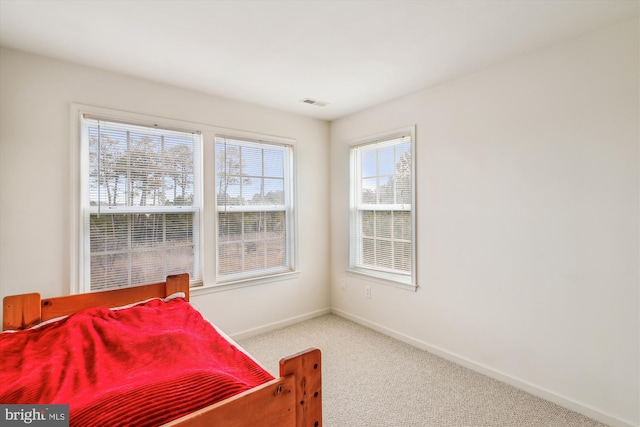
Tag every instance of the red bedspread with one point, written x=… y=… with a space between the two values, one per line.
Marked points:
x=140 y=366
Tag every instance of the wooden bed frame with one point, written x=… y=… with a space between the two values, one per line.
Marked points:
x=294 y=399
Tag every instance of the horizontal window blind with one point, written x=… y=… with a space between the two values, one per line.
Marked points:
x=254 y=199
x=142 y=203
x=382 y=223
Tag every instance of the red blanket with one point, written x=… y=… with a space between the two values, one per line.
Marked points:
x=141 y=366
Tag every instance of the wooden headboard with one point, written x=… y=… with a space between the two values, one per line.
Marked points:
x=26 y=310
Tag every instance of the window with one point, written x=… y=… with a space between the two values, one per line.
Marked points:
x=140 y=202
x=382 y=219
x=254 y=203
x=155 y=196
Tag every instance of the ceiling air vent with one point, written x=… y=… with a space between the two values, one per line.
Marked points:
x=314 y=102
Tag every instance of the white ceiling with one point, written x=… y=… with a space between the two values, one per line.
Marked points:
x=351 y=54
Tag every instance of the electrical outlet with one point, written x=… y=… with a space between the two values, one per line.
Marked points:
x=367 y=291
x=343 y=284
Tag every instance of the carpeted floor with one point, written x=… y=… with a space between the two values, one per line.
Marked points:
x=372 y=380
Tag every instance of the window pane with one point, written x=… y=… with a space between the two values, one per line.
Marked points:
x=229 y=226
x=274 y=163
x=386 y=190
x=228 y=174
x=402 y=225
x=109 y=271
x=368 y=223
x=275 y=224
x=230 y=195
x=230 y=257
x=108 y=233
x=402 y=256
x=253 y=255
x=276 y=253
x=383 y=224
x=403 y=153
x=403 y=190
x=228 y=160
x=386 y=161
x=251 y=191
x=147 y=230
x=180 y=260
x=273 y=191
x=369 y=190
x=251 y=161
x=253 y=225
x=369 y=252
x=261 y=237
x=132 y=249
x=147 y=267
x=369 y=163
x=384 y=253
x=179 y=229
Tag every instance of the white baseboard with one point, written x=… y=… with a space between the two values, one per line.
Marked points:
x=279 y=324
x=490 y=372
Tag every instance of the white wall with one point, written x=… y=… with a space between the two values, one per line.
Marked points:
x=35 y=98
x=528 y=223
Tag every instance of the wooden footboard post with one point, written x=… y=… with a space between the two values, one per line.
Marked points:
x=178 y=283
x=21 y=311
x=307 y=369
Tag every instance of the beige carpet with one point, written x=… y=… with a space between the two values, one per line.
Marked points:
x=371 y=380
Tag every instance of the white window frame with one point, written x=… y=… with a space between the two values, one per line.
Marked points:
x=207 y=222
x=288 y=148
x=402 y=280
x=80 y=272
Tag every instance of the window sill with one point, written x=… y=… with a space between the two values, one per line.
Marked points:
x=385 y=279
x=228 y=286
